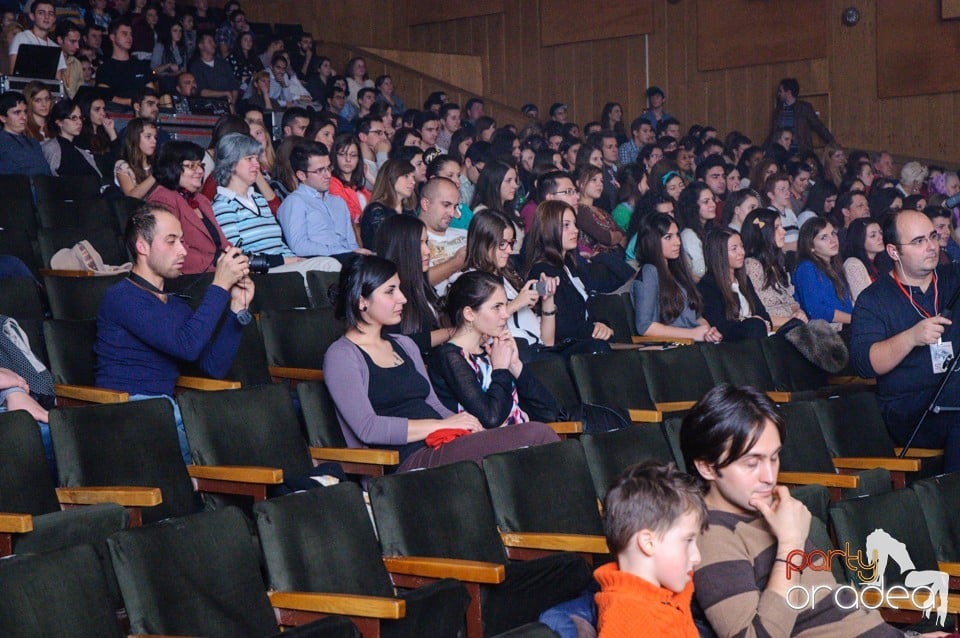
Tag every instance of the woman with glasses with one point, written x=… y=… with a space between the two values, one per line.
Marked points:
x=490 y=242
x=61 y=152
x=820 y=285
x=179 y=175
x=347 y=181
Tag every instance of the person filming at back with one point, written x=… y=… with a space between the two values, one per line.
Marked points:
x=901 y=336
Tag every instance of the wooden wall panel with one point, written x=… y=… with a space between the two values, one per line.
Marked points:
x=913 y=45
x=428 y=11
x=518 y=67
x=750 y=32
x=566 y=21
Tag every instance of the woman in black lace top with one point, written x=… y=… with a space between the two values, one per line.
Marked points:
x=479 y=370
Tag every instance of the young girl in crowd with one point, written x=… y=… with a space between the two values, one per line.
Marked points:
x=729 y=301
x=479 y=369
x=866 y=258
x=61 y=152
x=39 y=103
x=395 y=184
x=763 y=240
x=551 y=251
x=598 y=232
x=380 y=385
x=738 y=205
x=497 y=190
x=820 y=284
x=696 y=211
x=665 y=299
x=99 y=134
x=490 y=242
x=347 y=180
x=133 y=171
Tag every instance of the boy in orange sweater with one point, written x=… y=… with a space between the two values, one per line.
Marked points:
x=653 y=516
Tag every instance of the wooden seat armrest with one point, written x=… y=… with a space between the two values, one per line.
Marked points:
x=298 y=374
x=646 y=416
x=203 y=383
x=679 y=341
x=16 y=523
x=586 y=543
x=128 y=496
x=237 y=473
x=851 y=380
x=950 y=569
x=52 y=272
x=675 y=406
x=778 y=396
x=920 y=452
x=464 y=570
x=90 y=394
x=819 y=478
x=870 y=462
x=340 y=604
x=356 y=455
x=566 y=427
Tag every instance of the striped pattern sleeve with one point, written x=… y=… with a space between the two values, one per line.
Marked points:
x=737 y=556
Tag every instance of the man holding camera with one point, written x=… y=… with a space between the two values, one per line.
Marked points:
x=143 y=333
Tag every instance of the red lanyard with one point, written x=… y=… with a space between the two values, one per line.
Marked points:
x=920 y=309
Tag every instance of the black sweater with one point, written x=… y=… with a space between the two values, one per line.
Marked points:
x=456 y=383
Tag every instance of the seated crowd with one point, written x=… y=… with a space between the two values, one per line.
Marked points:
x=468 y=251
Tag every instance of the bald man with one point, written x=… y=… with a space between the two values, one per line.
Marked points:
x=448 y=246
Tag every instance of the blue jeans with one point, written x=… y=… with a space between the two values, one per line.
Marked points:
x=181 y=432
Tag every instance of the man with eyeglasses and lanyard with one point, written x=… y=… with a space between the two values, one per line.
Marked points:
x=900 y=336
x=316 y=223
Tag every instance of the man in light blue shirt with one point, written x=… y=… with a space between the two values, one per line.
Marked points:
x=314 y=222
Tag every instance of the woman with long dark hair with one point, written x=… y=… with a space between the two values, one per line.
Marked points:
x=395 y=184
x=611 y=119
x=696 y=212
x=99 y=133
x=403 y=240
x=865 y=256
x=820 y=283
x=551 y=251
x=347 y=181
x=665 y=298
x=821 y=199
x=133 y=171
x=729 y=301
x=496 y=189
x=169 y=56
x=245 y=62
x=479 y=370
x=380 y=385
x=763 y=240
x=738 y=205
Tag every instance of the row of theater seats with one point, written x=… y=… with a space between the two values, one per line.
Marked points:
x=321 y=540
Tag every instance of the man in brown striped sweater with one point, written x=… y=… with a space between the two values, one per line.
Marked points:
x=731 y=441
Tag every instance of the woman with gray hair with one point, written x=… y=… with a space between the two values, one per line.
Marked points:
x=243 y=213
x=912 y=176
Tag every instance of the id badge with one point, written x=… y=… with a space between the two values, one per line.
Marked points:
x=940 y=355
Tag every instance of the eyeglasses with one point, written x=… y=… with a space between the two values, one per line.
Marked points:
x=321 y=170
x=504 y=244
x=567 y=192
x=921 y=242
x=377 y=132
x=192 y=166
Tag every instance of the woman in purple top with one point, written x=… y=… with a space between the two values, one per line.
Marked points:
x=380 y=386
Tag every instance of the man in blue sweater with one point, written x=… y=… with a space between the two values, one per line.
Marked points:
x=143 y=333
